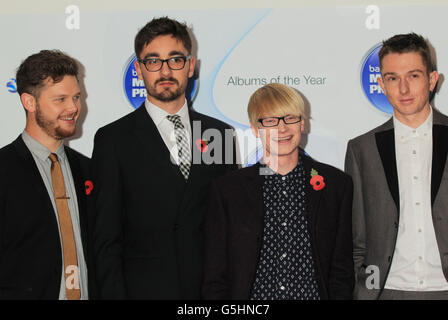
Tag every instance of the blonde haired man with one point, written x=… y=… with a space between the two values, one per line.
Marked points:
x=280 y=229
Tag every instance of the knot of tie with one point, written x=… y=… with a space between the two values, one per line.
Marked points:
x=53 y=157
x=175 y=118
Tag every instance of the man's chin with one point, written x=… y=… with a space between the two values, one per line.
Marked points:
x=62 y=134
x=167 y=94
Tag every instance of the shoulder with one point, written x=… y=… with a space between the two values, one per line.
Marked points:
x=9 y=159
x=77 y=160
x=12 y=150
x=328 y=172
x=369 y=137
x=440 y=118
x=122 y=124
x=238 y=177
x=6 y=151
x=208 y=121
x=77 y=155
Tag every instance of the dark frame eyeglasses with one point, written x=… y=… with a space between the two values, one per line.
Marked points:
x=174 y=63
x=274 y=121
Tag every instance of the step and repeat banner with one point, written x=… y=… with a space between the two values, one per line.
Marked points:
x=327 y=52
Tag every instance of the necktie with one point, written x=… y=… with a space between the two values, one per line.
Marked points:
x=182 y=145
x=72 y=290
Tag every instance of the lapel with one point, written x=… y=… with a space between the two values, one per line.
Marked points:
x=385 y=142
x=195 y=153
x=439 y=153
x=198 y=170
x=313 y=196
x=254 y=187
x=153 y=146
x=78 y=180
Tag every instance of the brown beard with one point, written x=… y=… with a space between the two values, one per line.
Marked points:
x=50 y=126
x=167 y=95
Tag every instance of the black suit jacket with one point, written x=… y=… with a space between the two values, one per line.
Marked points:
x=234 y=232
x=30 y=249
x=148 y=235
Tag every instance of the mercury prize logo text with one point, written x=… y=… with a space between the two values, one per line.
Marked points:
x=370 y=72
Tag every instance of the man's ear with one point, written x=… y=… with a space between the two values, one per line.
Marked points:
x=191 y=67
x=381 y=83
x=137 y=68
x=28 y=101
x=433 y=78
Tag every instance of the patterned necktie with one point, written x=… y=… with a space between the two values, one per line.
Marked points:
x=182 y=145
x=72 y=290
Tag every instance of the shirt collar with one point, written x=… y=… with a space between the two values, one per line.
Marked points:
x=405 y=132
x=158 y=114
x=287 y=178
x=39 y=150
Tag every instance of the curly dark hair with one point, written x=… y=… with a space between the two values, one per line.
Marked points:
x=158 y=27
x=33 y=72
x=404 y=43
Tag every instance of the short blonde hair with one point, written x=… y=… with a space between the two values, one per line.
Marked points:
x=275 y=99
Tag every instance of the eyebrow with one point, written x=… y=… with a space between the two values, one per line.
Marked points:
x=172 y=53
x=410 y=71
x=66 y=95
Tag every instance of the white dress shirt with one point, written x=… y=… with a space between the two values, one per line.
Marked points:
x=166 y=127
x=416 y=264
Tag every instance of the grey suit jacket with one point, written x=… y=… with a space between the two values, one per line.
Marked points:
x=371 y=161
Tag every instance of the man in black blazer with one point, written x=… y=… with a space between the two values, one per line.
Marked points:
x=282 y=229
x=31 y=243
x=152 y=170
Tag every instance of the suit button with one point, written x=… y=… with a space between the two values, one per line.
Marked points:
x=439 y=218
x=396 y=225
x=175 y=226
x=389 y=258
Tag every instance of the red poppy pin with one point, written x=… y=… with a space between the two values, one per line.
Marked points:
x=202 y=145
x=89 y=186
x=317 y=181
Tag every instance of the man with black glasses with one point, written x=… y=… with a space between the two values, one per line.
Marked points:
x=281 y=229
x=150 y=179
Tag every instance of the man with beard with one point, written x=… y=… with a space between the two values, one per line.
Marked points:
x=43 y=244
x=151 y=178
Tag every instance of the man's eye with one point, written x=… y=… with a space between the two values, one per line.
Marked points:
x=152 y=61
x=176 y=59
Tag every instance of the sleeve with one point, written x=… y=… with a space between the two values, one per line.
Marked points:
x=358 y=222
x=215 y=284
x=107 y=229
x=341 y=278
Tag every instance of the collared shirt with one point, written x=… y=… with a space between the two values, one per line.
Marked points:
x=416 y=264
x=41 y=157
x=286 y=268
x=166 y=127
